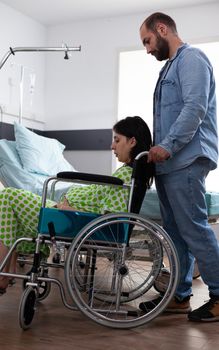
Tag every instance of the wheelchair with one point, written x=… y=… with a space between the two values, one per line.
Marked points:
x=111 y=262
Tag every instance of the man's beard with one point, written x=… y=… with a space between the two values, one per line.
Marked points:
x=163 y=50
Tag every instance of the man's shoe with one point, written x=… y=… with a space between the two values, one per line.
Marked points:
x=175 y=306
x=208 y=312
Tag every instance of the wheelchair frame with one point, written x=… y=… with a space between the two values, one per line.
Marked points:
x=112 y=263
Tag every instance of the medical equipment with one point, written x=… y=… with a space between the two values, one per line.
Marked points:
x=13 y=51
x=112 y=263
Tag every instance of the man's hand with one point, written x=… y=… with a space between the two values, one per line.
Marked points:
x=157 y=154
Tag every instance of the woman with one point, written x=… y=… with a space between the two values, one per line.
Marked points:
x=19 y=209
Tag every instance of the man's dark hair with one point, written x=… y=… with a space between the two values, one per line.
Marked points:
x=157 y=17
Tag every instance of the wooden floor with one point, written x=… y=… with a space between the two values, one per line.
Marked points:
x=56 y=327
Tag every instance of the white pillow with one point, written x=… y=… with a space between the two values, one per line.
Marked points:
x=40 y=154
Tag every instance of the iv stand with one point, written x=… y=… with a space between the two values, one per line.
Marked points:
x=12 y=51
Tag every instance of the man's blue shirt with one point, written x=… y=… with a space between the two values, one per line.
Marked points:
x=185 y=120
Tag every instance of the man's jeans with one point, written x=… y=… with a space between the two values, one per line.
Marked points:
x=184 y=214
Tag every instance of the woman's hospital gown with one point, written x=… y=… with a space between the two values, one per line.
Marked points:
x=19 y=209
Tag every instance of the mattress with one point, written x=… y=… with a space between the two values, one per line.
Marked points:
x=212 y=200
x=150 y=206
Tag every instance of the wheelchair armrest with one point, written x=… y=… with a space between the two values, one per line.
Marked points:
x=71 y=175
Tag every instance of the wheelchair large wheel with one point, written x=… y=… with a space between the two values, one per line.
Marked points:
x=123 y=255
x=27 y=307
x=141 y=246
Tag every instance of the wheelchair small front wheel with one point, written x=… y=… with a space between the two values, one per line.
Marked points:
x=44 y=287
x=27 y=307
x=44 y=290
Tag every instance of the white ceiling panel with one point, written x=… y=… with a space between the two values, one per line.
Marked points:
x=53 y=12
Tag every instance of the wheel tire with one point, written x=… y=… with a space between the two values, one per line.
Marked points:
x=27 y=307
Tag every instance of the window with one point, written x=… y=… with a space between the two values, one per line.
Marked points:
x=138 y=73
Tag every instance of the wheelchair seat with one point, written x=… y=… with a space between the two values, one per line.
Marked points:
x=67 y=223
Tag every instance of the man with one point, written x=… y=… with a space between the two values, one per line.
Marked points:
x=185 y=150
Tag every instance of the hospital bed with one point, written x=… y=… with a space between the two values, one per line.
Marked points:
x=29 y=160
x=14 y=174
x=151 y=210
x=150 y=206
x=111 y=262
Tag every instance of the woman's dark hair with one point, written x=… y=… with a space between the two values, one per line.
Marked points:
x=136 y=127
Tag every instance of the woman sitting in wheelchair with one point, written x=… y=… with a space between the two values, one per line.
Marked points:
x=19 y=209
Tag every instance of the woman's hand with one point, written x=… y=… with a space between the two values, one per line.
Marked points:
x=64 y=205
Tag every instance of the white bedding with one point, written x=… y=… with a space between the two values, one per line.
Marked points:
x=12 y=173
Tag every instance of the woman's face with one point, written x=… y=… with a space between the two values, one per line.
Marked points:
x=122 y=147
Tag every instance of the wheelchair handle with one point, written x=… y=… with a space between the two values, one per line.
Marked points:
x=142 y=154
x=135 y=164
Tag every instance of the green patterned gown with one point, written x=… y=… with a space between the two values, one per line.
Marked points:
x=19 y=209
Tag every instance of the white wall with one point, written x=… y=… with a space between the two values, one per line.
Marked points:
x=96 y=162
x=85 y=89
x=81 y=93
x=18 y=30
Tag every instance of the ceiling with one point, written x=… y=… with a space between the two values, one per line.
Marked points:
x=53 y=12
